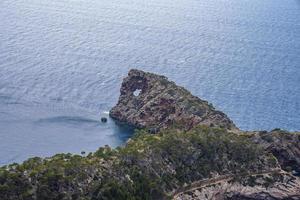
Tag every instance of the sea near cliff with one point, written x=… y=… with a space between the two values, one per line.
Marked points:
x=62 y=63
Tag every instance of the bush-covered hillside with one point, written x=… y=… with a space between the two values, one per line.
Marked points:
x=148 y=167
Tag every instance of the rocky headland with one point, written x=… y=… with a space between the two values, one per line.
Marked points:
x=183 y=149
x=152 y=101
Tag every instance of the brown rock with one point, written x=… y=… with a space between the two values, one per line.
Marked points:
x=152 y=101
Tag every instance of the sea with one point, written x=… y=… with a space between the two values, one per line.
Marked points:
x=62 y=63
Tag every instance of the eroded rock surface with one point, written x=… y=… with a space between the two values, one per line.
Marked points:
x=267 y=187
x=285 y=146
x=152 y=101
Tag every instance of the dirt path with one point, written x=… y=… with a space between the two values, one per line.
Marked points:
x=204 y=183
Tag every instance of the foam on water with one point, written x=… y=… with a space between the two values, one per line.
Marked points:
x=32 y=129
x=62 y=63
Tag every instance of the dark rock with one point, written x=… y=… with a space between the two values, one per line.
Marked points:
x=153 y=130
x=103 y=119
x=150 y=100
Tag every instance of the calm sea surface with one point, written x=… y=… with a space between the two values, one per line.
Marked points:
x=62 y=63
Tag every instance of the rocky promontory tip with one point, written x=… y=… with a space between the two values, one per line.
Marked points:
x=151 y=101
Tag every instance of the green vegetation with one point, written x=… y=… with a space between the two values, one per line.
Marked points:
x=148 y=167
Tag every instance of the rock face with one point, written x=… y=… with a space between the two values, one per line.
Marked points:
x=285 y=146
x=152 y=101
x=276 y=187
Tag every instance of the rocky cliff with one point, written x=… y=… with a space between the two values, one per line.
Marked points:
x=285 y=146
x=152 y=101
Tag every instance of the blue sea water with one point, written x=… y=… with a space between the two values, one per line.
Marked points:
x=62 y=63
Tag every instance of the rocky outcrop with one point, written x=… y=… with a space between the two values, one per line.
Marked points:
x=267 y=187
x=152 y=101
x=285 y=146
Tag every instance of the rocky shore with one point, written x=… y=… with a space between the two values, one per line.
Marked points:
x=184 y=149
